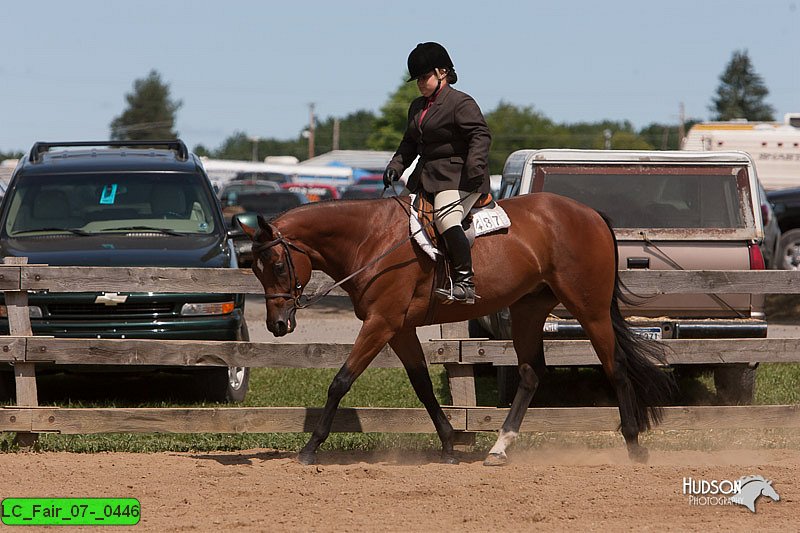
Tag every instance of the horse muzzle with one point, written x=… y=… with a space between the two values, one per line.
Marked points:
x=283 y=325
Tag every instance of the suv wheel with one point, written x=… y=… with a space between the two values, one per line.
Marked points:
x=227 y=384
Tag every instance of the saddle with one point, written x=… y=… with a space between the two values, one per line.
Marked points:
x=485 y=217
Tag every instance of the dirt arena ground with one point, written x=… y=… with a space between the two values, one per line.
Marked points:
x=555 y=487
x=548 y=489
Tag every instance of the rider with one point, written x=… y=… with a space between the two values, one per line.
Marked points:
x=446 y=129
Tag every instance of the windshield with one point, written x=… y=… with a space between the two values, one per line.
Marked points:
x=106 y=202
x=657 y=199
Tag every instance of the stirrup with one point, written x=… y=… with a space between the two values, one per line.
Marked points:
x=449 y=296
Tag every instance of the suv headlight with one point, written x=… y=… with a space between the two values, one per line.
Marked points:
x=216 y=308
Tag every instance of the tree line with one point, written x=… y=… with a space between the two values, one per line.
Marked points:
x=151 y=114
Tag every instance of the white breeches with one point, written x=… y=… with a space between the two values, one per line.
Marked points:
x=457 y=210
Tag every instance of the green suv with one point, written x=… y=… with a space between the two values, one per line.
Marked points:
x=127 y=203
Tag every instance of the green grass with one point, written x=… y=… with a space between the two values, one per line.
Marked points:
x=776 y=384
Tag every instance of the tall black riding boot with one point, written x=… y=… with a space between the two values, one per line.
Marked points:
x=460 y=256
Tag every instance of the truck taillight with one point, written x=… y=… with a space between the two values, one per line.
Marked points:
x=756 y=259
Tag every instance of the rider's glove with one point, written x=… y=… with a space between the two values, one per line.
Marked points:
x=390 y=175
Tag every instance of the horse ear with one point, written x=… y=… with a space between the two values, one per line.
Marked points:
x=265 y=226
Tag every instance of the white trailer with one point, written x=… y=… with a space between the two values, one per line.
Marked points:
x=774 y=146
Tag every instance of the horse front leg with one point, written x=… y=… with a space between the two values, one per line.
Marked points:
x=407 y=347
x=370 y=341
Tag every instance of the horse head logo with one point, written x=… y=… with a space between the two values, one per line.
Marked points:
x=751 y=488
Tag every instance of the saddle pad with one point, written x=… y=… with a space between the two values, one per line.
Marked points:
x=484 y=220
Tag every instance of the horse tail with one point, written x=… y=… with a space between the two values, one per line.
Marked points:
x=639 y=358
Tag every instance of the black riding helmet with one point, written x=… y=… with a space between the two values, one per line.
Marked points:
x=426 y=57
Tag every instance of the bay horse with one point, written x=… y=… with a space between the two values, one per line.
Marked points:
x=556 y=250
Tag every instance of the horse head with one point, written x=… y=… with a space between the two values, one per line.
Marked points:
x=283 y=269
x=768 y=491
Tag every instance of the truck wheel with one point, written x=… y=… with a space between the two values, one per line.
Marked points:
x=8 y=388
x=735 y=384
x=789 y=251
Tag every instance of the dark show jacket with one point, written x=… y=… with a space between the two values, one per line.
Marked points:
x=453 y=144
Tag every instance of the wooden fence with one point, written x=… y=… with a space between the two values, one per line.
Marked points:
x=459 y=355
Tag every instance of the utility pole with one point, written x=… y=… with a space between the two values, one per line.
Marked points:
x=255 y=141
x=335 y=134
x=681 y=120
x=311 y=127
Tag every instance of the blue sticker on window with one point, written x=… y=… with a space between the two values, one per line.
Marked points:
x=109 y=193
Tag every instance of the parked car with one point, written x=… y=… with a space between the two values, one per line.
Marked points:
x=785 y=204
x=315 y=192
x=267 y=204
x=670 y=210
x=363 y=191
x=230 y=192
x=770 y=245
x=277 y=177
x=124 y=203
x=229 y=196
x=371 y=178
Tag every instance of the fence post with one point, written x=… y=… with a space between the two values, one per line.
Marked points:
x=19 y=325
x=461 y=379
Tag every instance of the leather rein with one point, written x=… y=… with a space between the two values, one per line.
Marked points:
x=300 y=300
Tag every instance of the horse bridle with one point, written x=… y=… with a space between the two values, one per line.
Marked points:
x=297 y=287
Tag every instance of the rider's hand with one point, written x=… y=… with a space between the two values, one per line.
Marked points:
x=390 y=175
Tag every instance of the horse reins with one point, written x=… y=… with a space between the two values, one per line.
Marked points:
x=297 y=288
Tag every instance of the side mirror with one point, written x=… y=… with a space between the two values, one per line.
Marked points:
x=235 y=229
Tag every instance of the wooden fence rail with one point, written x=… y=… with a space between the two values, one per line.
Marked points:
x=458 y=355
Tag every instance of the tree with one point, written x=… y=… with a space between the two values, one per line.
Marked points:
x=150 y=113
x=354 y=130
x=741 y=92
x=391 y=124
x=514 y=128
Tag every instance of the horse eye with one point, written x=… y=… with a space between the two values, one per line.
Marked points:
x=280 y=268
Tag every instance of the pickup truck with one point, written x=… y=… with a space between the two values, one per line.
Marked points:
x=671 y=210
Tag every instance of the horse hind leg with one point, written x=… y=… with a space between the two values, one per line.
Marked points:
x=528 y=316
x=641 y=387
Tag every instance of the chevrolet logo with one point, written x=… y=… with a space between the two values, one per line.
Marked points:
x=111 y=298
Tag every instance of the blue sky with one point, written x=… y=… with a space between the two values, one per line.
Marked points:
x=253 y=66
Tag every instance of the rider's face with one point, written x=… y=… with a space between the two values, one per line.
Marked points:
x=428 y=81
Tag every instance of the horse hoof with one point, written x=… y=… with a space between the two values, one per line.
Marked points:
x=450 y=460
x=307 y=458
x=639 y=454
x=495 y=459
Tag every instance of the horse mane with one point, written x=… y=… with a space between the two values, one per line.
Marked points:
x=747 y=479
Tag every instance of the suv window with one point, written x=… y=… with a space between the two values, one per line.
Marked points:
x=683 y=197
x=107 y=202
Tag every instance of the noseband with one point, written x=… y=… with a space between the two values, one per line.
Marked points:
x=297 y=287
